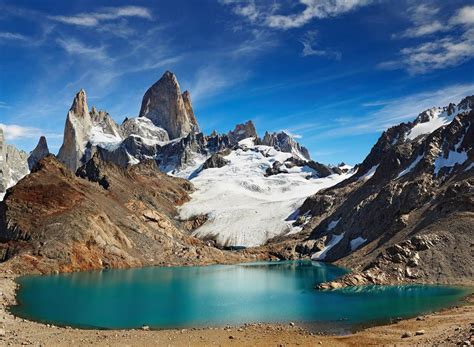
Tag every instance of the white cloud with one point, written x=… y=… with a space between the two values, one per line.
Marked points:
x=267 y=15
x=464 y=15
x=93 y=19
x=309 y=42
x=453 y=49
x=12 y=36
x=314 y=9
x=424 y=20
x=17 y=132
x=76 y=47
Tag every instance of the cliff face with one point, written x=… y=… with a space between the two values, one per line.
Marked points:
x=165 y=105
x=76 y=132
x=407 y=212
x=105 y=217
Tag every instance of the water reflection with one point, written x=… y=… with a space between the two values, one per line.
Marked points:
x=217 y=295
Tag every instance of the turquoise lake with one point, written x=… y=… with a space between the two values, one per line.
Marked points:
x=170 y=297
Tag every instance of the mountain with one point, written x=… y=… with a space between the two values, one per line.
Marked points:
x=105 y=216
x=167 y=108
x=406 y=214
x=13 y=165
x=41 y=150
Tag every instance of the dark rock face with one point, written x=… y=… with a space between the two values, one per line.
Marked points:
x=285 y=143
x=320 y=170
x=216 y=160
x=242 y=131
x=418 y=188
x=41 y=150
x=92 y=171
x=167 y=108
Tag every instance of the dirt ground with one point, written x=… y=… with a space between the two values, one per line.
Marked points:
x=449 y=327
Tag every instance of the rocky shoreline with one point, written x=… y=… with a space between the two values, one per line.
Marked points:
x=451 y=326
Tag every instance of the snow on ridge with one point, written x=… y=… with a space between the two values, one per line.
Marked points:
x=369 y=173
x=321 y=255
x=438 y=117
x=245 y=208
x=411 y=166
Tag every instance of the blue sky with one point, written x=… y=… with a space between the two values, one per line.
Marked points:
x=334 y=73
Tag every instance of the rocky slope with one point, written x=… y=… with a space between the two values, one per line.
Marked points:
x=106 y=216
x=407 y=214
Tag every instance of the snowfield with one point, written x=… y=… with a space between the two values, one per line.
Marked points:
x=245 y=208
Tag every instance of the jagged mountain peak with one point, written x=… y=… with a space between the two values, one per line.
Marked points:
x=79 y=105
x=41 y=150
x=168 y=108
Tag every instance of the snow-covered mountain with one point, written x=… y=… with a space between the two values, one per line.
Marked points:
x=246 y=206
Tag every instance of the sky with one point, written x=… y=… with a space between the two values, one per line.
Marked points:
x=333 y=73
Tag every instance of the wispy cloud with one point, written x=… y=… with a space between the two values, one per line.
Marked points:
x=424 y=18
x=309 y=47
x=94 y=19
x=453 y=49
x=76 y=47
x=17 y=132
x=312 y=9
x=12 y=36
x=397 y=110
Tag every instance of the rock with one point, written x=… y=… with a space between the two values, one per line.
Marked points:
x=406 y=334
x=13 y=165
x=144 y=128
x=292 y=324
x=285 y=143
x=167 y=108
x=145 y=327
x=242 y=131
x=2 y=332
x=419 y=332
x=215 y=161
x=41 y=150
x=76 y=133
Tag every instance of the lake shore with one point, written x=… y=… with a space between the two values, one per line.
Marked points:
x=449 y=326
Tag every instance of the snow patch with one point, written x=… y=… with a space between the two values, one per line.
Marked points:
x=321 y=255
x=450 y=161
x=369 y=173
x=333 y=224
x=411 y=166
x=357 y=242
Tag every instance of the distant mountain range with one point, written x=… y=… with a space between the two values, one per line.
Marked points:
x=103 y=202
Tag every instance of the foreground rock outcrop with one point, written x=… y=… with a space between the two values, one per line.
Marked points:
x=106 y=217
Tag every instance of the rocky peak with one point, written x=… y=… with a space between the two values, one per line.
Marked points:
x=242 y=131
x=41 y=150
x=285 y=143
x=168 y=108
x=79 y=105
x=76 y=132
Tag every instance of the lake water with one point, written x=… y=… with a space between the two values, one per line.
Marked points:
x=169 y=297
